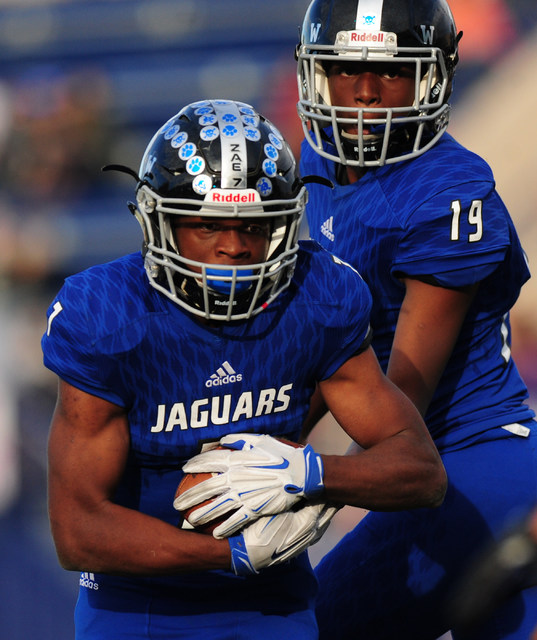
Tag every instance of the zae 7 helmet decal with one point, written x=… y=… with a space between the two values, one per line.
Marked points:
x=420 y=33
x=219 y=159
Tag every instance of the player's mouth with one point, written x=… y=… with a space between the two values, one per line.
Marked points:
x=352 y=134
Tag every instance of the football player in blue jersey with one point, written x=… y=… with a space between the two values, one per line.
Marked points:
x=418 y=216
x=221 y=326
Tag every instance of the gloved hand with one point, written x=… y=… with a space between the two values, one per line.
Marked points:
x=271 y=540
x=257 y=475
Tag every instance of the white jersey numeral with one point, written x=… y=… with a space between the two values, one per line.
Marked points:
x=475 y=219
x=56 y=309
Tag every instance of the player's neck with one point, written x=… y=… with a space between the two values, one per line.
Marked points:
x=348 y=175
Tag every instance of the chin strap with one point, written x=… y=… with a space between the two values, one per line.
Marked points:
x=122 y=169
x=318 y=180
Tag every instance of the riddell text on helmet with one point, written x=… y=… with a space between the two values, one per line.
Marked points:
x=367 y=36
x=233 y=195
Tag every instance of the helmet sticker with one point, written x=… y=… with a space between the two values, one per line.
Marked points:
x=203 y=110
x=195 y=165
x=166 y=126
x=168 y=135
x=276 y=141
x=269 y=167
x=264 y=186
x=209 y=133
x=202 y=184
x=427 y=33
x=229 y=117
x=252 y=134
x=271 y=152
x=179 y=139
x=251 y=121
x=208 y=118
x=187 y=151
x=230 y=131
x=369 y=14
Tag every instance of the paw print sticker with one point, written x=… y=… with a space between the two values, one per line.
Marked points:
x=229 y=131
x=229 y=117
x=269 y=168
x=271 y=152
x=187 y=151
x=195 y=165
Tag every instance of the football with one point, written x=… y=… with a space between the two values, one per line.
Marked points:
x=191 y=480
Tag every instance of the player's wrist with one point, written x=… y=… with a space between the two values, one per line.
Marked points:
x=314 y=476
x=240 y=560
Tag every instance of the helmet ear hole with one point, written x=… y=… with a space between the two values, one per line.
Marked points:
x=219 y=159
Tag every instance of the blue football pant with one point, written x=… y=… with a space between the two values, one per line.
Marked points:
x=152 y=624
x=388 y=578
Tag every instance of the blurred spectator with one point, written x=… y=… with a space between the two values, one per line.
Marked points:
x=489 y=29
x=58 y=138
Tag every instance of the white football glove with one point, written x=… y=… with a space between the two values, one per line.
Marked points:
x=258 y=475
x=271 y=540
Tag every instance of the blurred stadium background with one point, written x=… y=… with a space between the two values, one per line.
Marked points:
x=83 y=84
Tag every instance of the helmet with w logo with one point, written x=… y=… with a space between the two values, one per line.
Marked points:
x=416 y=33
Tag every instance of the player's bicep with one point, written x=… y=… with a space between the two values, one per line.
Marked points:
x=428 y=327
x=87 y=449
x=366 y=404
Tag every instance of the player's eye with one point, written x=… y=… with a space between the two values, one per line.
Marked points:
x=255 y=229
x=210 y=227
x=393 y=71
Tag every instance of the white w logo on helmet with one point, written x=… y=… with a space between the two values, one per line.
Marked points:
x=427 y=32
x=314 y=31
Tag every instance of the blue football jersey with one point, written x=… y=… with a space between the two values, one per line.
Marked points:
x=183 y=382
x=440 y=216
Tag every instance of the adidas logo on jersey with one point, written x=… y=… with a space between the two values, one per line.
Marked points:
x=225 y=374
x=327 y=228
x=88 y=580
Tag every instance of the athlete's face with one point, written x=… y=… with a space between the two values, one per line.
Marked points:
x=369 y=84
x=223 y=241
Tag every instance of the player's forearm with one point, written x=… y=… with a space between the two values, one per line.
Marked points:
x=123 y=541
x=398 y=473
